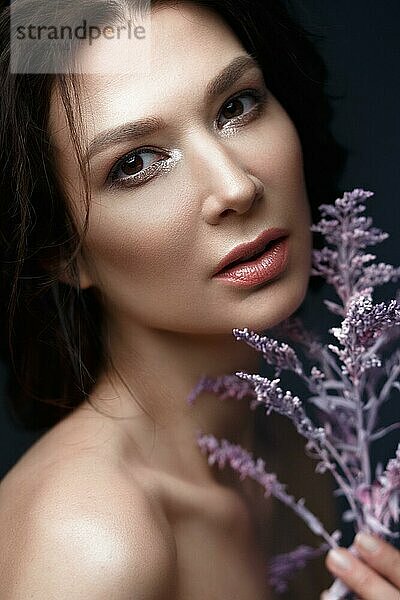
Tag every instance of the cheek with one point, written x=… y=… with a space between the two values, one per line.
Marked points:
x=281 y=156
x=284 y=170
x=137 y=245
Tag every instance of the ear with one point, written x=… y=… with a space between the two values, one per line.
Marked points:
x=64 y=275
x=85 y=281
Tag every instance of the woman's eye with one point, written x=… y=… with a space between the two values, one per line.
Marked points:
x=139 y=165
x=237 y=109
x=135 y=166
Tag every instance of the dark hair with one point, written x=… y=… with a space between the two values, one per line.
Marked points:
x=51 y=332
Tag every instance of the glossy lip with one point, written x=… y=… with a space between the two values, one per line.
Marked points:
x=265 y=268
x=249 y=249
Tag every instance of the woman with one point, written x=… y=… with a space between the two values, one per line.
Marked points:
x=135 y=225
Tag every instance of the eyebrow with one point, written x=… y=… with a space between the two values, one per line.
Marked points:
x=149 y=125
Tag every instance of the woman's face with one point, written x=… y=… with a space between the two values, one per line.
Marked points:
x=168 y=206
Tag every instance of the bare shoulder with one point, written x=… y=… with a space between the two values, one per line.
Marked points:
x=83 y=530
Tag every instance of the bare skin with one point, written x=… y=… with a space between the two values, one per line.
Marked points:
x=375 y=574
x=80 y=472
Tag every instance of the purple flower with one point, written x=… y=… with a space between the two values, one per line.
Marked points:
x=381 y=500
x=279 y=355
x=343 y=223
x=225 y=386
x=365 y=322
x=284 y=403
x=350 y=232
x=243 y=463
x=283 y=567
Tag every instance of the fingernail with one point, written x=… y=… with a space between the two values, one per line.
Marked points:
x=367 y=542
x=325 y=595
x=339 y=559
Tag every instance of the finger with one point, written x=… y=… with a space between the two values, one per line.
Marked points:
x=359 y=577
x=380 y=555
x=326 y=596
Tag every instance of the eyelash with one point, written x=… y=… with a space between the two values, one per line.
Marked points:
x=155 y=168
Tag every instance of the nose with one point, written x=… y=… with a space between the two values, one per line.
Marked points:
x=229 y=188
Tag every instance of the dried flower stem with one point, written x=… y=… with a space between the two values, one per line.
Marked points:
x=348 y=387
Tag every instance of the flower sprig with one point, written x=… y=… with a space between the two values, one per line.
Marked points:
x=349 y=383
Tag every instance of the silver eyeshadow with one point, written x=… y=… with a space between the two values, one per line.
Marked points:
x=160 y=167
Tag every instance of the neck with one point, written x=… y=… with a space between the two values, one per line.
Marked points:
x=149 y=381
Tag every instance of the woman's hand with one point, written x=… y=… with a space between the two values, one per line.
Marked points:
x=373 y=576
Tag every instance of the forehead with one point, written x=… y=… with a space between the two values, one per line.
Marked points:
x=188 y=45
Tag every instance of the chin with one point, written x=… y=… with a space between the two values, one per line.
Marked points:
x=270 y=305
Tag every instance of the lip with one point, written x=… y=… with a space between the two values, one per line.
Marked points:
x=266 y=267
x=249 y=249
x=256 y=271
